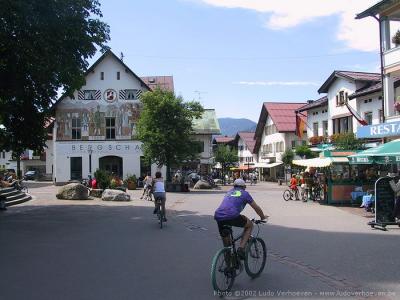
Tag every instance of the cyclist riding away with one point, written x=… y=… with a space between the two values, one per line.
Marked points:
x=159 y=192
x=148 y=181
x=228 y=213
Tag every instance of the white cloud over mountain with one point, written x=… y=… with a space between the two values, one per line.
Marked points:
x=356 y=34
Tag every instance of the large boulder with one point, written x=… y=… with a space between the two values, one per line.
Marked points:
x=115 y=195
x=202 y=185
x=73 y=191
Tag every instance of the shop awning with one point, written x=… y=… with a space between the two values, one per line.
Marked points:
x=242 y=168
x=313 y=162
x=261 y=165
x=388 y=153
x=339 y=159
x=272 y=165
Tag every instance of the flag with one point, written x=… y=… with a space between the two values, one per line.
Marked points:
x=356 y=115
x=300 y=126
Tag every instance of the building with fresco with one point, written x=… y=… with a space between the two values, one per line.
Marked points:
x=95 y=128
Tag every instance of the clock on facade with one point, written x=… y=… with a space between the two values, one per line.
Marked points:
x=110 y=95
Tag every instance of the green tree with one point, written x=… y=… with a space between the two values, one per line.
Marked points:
x=226 y=156
x=44 y=47
x=287 y=158
x=165 y=128
x=348 y=141
x=305 y=151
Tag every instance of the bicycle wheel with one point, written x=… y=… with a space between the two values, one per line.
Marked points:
x=24 y=189
x=287 y=195
x=160 y=215
x=222 y=273
x=256 y=257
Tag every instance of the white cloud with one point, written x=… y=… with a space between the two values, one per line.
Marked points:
x=274 y=83
x=356 y=34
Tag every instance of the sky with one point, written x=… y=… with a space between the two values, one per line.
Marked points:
x=233 y=55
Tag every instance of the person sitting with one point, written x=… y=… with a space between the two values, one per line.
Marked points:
x=293 y=186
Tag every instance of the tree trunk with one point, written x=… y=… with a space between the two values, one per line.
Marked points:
x=18 y=158
x=168 y=172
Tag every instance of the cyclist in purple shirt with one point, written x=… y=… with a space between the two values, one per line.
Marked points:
x=228 y=213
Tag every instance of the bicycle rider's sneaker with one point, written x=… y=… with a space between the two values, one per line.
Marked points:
x=164 y=219
x=155 y=211
x=241 y=253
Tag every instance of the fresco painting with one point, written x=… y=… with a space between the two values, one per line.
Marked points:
x=92 y=115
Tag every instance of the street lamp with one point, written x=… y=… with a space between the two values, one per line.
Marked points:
x=90 y=151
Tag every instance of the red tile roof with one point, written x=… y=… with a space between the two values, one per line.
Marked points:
x=283 y=115
x=248 y=138
x=314 y=104
x=223 y=139
x=163 y=82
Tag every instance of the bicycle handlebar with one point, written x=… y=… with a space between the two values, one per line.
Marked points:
x=259 y=221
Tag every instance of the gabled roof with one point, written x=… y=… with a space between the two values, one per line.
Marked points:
x=109 y=52
x=248 y=138
x=207 y=124
x=282 y=114
x=163 y=82
x=374 y=88
x=356 y=76
x=377 y=8
x=97 y=62
x=314 y=104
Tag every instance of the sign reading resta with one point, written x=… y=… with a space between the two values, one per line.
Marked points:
x=379 y=130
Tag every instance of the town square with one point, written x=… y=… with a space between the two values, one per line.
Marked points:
x=199 y=149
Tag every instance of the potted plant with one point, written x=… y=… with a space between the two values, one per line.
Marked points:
x=131 y=182
x=396 y=38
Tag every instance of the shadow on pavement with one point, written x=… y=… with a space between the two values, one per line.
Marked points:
x=119 y=252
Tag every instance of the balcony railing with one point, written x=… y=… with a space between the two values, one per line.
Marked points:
x=391 y=57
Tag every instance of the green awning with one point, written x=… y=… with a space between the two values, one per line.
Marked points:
x=388 y=153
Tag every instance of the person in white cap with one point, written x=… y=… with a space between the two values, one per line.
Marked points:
x=228 y=213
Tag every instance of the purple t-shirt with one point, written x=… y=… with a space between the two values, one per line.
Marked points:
x=234 y=202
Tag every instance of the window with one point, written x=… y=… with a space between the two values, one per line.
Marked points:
x=341 y=98
x=130 y=94
x=342 y=125
x=4 y=154
x=76 y=128
x=240 y=148
x=293 y=144
x=241 y=159
x=315 y=129
x=304 y=143
x=368 y=117
x=380 y=116
x=118 y=75
x=325 y=128
x=199 y=146
x=101 y=75
x=89 y=94
x=110 y=128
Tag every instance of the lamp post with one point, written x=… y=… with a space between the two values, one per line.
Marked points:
x=90 y=151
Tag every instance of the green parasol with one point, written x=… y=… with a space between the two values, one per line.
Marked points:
x=388 y=153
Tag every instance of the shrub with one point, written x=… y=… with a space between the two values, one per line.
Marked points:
x=103 y=178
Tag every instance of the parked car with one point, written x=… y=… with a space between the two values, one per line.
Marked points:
x=31 y=175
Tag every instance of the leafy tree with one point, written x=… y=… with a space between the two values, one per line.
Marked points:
x=305 y=151
x=44 y=47
x=165 y=128
x=226 y=157
x=348 y=141
x=287 y=158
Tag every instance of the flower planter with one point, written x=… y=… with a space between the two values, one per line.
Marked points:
x=131 y=185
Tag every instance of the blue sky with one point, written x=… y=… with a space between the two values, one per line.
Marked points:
x=240 y=53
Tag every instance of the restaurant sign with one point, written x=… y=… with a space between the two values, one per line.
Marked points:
x=379 y=130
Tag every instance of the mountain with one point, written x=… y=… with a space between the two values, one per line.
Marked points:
x=230 y=126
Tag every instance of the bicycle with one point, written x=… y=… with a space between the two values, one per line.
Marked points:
x=227 y=264
x=290 y=194
x=317 y=193
x=160 y=211
x=147 y=194
x=20 y=186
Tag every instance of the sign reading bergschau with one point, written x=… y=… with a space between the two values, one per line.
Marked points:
x=379 y=130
